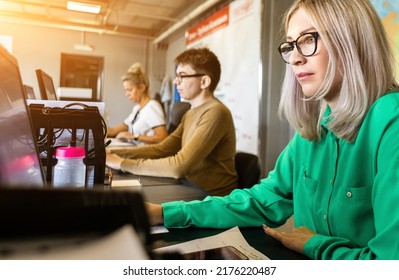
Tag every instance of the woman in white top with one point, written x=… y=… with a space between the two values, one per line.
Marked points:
x=147 y=122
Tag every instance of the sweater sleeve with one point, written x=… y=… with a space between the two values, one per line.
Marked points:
x=168 y=147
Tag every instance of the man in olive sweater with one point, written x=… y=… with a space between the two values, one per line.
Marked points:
x=203 y=146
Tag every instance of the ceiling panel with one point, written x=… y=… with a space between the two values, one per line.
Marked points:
x=132 y=18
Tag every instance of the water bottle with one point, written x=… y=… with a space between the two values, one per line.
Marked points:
x=70 y=170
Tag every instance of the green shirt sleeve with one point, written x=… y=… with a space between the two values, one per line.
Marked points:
x=269 y=202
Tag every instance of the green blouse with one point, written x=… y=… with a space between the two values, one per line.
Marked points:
x=348 y=193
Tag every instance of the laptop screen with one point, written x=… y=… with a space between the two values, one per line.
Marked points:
x=19 y=160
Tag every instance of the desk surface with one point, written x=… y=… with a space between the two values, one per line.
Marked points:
x=158 y=190
x=186 y=191
x=254 y=236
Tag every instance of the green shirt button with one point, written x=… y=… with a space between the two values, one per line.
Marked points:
x=349 y=194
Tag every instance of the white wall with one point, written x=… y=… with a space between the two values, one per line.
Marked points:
x=175 y=47
x=39 y=47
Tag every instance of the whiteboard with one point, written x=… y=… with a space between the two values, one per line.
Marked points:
x=233 y=34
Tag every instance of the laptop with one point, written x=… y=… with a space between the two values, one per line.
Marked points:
x=29 y=206
x=19 y=161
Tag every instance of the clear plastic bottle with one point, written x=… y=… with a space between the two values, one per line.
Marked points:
x=70 y=170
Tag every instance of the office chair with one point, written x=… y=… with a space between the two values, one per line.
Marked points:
x=248 y=169
x=176 y=114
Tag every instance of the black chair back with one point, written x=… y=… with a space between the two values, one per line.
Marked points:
x=248 y=169
x=176 y=114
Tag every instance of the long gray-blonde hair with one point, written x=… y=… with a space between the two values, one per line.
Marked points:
x=359 y=52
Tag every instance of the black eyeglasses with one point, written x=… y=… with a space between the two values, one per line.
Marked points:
x=306 y=45
x=181 y=77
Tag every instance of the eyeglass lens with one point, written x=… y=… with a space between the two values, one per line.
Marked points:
x=306 y=45
x=180 y=77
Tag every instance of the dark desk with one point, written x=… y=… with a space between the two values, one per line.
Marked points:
x=158 y=190
x=161 y=194
x=254 y=236
x=97 y=205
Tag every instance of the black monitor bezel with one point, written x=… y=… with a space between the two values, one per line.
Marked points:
x=29 y=92
x=41 y=77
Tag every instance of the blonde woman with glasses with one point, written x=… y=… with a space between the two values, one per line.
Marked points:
x=339 y=175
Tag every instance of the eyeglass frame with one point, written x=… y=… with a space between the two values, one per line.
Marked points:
x=181 y=77
x=294 y=44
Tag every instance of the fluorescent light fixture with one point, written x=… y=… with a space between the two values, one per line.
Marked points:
x=83 y=7
x=83 y=47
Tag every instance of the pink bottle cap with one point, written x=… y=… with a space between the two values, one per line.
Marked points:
x=70 y=152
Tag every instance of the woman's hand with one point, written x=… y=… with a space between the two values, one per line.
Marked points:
x=154 y=212
x=124 y=134
x=294 y=239
x=113 y=161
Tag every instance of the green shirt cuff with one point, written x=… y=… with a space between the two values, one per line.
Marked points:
x=311 y=246
x=173 y=214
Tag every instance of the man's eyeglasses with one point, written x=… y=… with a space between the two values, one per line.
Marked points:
x=181 y=77
x=306 y=45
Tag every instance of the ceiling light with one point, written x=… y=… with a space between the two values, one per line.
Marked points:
x=83 y=7
x=81 y=47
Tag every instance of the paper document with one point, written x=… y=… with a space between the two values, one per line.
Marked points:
x=232 y=237
x=115 y=143
x=129 y=184
x=158 y=229
x=121 y=244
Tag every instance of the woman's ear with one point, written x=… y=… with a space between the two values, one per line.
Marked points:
x=142 y=87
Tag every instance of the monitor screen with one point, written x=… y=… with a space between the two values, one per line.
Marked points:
x=29 y=92
x=19 y=159
x=46 y=85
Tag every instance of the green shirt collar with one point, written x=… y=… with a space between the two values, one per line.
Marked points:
x=326 y=117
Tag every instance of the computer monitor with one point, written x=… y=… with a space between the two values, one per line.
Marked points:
x=46 y=85
x=29 y=92
x=19 y=158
